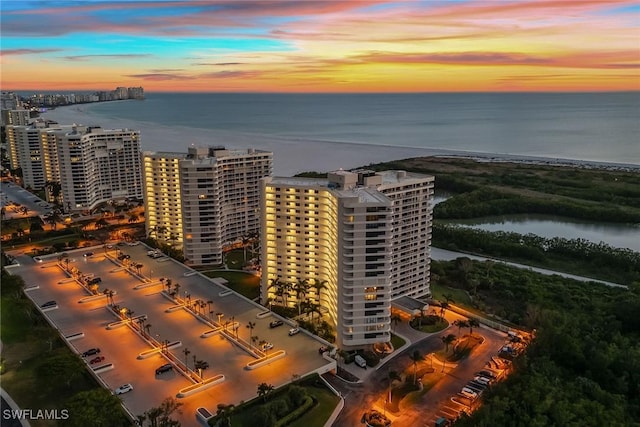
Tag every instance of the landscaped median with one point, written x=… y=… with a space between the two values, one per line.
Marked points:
x=195 y=388
x=254 y=364
x=148 y=353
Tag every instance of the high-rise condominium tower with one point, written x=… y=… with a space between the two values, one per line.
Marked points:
x=92 y=165
x=347 y=246
x=204 y=200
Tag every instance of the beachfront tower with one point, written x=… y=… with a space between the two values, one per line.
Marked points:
x=212 y=202
x=96 y=165
x=336 y=239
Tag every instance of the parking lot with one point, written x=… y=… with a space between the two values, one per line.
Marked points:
x=121 y=346
x=13 y=197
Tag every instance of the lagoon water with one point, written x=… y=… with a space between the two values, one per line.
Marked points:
x=626 y=236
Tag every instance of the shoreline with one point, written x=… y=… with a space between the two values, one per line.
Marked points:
x=295 y=155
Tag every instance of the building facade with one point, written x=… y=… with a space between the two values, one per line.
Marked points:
x=97 y=165
x=92 y=165
x=27 y=149
x=15 y=117
x=217 y=191
x=347 y=237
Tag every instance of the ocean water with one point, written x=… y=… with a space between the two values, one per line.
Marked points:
x=597 y=127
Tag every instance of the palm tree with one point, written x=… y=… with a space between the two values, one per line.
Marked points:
x=245 y=241
x=264 y=389
x=109 y=294
x=176 y=289
x=395 y=319
x=54 y=188
x=224 y=414
x=319 y=285
x=472 y=323
x=147 y=327
x=415 y=358
x=133 y=217
x=315 y=308
x=443 y=308
x=279 y=288
x=168 y=285
x=300 y=288
x=460 y=324
x=209 y=304
x=392 y=376
x=448 y=339
x=186 y=353
x=251 y=325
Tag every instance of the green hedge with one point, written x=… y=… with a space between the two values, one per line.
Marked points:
x=300 y=411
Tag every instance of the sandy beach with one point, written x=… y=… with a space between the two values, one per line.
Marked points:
x=290 y=155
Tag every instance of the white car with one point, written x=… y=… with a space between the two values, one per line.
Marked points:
x=124 y=389
x=267 y=346
x=467 y=392
x=293 y=331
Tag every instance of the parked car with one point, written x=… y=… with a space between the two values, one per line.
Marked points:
x=276 y=323
x=124 y=389
x=164 y=368
x=37 y=259
x=267 y=346
x=49 y=304
x=482 y=380
x=467 y=392
x=293 y=331
x=486 y=373
x=88 y=254
x=91 y=352
x=96 y=359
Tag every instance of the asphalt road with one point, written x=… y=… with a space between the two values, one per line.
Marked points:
x=372 y=391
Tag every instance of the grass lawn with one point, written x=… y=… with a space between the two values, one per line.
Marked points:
x=246 y=284
x=438 y=326
x=318 y=416
x=460 y=297
x=396 y=341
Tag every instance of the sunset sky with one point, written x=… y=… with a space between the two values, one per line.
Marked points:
x=321 y=46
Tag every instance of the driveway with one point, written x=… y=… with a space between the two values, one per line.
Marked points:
x=372 y=391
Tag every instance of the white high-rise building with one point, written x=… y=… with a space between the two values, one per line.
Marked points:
x=97 y=165
x=92 y=165
x=15 y=117
x=359 y=239
x=26 y=148
x=212 y=203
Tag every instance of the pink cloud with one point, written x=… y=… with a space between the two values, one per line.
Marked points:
x=9 y=52
x=160 y=76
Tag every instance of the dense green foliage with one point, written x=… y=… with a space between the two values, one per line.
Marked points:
x=496 y=188
x=40 y=371
x=578 y=256
x=488 y=201
x=306 y=397
x=582 y=368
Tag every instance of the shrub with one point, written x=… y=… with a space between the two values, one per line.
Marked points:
x=370 y=357
x=308 y=404
x=279 y=408
x=264 y=417
x=296 y=395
